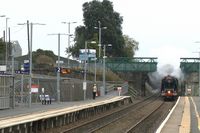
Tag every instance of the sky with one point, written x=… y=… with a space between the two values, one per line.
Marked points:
x=167 y=29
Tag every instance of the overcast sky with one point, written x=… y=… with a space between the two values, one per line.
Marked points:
x=166 y=29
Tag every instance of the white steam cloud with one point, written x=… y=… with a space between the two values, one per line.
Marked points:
x=163 y=71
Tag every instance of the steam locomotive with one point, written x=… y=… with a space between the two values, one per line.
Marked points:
x=169 y=87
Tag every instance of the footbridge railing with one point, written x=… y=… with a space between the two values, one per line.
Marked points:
x=189 y=65
x=136 y=64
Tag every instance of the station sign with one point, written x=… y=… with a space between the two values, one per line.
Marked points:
x=26 y=67
x=5 y=74
x=87 y=54
x=2 y=68
x=18 y=71
x=26 y=61
x=34 y=88
x=58 y=69
x=61 y=62
x=84 y=85
x=3 y=71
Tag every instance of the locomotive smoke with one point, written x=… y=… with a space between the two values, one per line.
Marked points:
x=163 y=71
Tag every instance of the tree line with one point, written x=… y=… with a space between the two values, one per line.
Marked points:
x=96 y=12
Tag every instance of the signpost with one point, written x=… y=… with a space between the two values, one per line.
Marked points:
x=119 y=88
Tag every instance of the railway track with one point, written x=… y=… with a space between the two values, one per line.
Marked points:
x=146 y=113
x=150 y=122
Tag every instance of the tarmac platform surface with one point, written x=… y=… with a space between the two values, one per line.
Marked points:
x=179 y=119
x=39 y=107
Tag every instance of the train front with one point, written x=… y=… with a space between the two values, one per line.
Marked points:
x=169 y=87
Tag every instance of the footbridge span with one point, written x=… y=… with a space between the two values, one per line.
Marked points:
x=136 y=64
x=191 y=69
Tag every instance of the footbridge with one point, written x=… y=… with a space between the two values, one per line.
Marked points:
x=191 y=68
x=136 y=64
x=189 y=65
x=134 y=70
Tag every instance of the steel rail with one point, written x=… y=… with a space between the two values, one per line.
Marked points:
x=107 y=118
x=143 y=119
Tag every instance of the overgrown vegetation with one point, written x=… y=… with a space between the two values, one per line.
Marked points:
x=44 y=62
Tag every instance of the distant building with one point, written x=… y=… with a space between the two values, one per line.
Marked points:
x=17 y=49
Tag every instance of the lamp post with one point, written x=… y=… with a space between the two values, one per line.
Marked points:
x=1 y=16
x=6 y=41
x=100 y=36
x=69 y=35
x=104 y=71
x=58 y=67
x=13 y=66
x=199 y=73
x=85 y=69
x=22 y=84
x=30 y=44
x=95 y=70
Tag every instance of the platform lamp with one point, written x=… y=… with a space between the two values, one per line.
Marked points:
x=100 y=28
x=199 y=66
x=30 y=44
x=1 y=16
x=69 y=35
x=85 y=68
x=58 y=62
x=104 y=71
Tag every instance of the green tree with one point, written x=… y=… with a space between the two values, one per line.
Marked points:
x=93 y=12
x=131 y=46
x=44 y=59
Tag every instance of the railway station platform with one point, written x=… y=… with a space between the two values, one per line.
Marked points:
x=41 y=117
x=183 y=118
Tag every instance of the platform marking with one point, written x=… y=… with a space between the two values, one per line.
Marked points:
x=185 y=123
x=197 y=114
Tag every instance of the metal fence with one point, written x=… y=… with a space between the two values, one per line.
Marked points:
x=14 y=90
x=6 y=91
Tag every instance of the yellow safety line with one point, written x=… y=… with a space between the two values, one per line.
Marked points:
x=185 y=123
x=197 y=114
